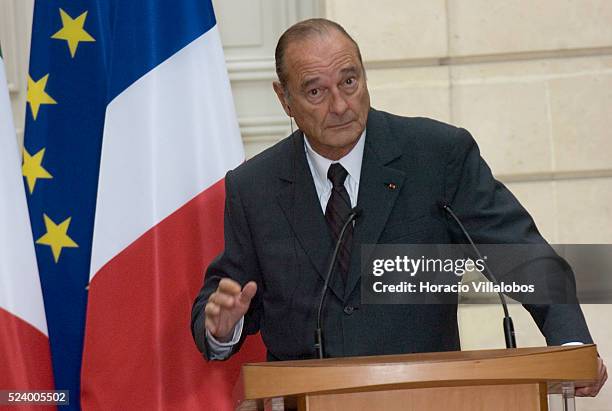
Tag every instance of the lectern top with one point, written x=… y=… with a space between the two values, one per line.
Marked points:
x=483 y=367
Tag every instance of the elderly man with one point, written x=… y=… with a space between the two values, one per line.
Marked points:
x=285 y=207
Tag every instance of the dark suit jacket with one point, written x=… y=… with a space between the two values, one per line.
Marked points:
x=276 y=235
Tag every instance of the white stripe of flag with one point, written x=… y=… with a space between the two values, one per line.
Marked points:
x=168 y=137
x=25 y=361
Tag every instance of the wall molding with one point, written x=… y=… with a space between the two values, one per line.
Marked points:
x=251 y=69
x=297 y=10
x=528 y=55
x=271 y=139
x=263 y=129
x=262 y=67
x=489 y=58
x=549 y=176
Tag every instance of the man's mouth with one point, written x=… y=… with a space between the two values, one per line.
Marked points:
x=342 y=125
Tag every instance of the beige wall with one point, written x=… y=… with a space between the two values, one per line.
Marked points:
x=532 y=81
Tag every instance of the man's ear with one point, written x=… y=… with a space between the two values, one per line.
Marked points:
x=282 y=97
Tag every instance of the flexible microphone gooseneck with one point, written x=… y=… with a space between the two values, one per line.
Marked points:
x=508 y=324
x=319 y=348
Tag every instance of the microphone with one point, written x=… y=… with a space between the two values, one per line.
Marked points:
x=319 y=348
x=508 y=325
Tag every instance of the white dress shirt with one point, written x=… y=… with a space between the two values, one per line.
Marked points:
x=319 y=165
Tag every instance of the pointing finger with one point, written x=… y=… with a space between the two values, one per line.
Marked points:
x=248 y=292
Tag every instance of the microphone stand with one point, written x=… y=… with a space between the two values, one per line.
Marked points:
x=508 y=324
x=319 y=348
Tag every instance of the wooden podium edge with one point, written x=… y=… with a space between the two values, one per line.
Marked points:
x=446 y=369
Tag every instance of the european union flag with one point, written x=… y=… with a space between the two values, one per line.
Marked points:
x=66 y=100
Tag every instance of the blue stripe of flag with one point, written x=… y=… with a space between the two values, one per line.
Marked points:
x=148 y=32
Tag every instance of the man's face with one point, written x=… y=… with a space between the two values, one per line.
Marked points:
x=326 y=92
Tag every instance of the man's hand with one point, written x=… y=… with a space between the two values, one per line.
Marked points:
x=226 y=306
x=592 y=390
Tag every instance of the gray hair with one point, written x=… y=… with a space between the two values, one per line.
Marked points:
x=303 y=30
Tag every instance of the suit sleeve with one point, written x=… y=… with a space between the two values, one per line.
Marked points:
x=238 y=261
x=492 y=215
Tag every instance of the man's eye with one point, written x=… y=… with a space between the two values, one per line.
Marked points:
x=314 y=92
x=349 y=81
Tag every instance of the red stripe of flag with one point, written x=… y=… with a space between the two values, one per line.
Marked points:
x=24 y=358
x=139 y=353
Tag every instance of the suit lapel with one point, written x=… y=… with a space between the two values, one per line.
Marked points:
x=379 y=187
x=301 y=206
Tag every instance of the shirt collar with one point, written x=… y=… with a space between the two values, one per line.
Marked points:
x=351 y=161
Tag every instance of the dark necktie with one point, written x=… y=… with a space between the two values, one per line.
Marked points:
x=337 y=210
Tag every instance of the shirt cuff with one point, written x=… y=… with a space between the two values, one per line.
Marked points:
x=573 y=343
x=221 y=350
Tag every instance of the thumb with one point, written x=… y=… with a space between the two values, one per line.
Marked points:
x=248 y=292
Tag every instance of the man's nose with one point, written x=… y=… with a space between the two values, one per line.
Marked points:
x=338 y=104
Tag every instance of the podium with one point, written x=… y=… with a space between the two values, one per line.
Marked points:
x=508 y=379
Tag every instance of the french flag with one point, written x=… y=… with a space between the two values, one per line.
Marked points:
x=170 y=135
x=25 y=357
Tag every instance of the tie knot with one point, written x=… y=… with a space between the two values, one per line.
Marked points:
x=337 y=174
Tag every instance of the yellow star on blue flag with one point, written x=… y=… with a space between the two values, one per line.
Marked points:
x=56 y=236
x=32 y=168
x=36 y=95
x=73 y=31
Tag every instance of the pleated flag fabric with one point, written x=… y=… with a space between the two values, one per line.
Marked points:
x=25 y=359
x=170 y=135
